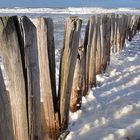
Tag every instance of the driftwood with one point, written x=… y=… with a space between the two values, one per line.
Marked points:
x=67 y=67
x=46 y=55
x=10 y=54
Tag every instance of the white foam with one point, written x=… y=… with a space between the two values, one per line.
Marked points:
x=70 y=10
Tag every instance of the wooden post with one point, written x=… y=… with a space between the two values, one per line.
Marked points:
x=102 y=30
x=129 y=33
x=77 y=87
x=105 y=41
x=67 y=67
x=115 y=33
x=6 y=121
x=86 y=53
x=138 y=28
x=123 y=30
x=118 y=37
x=28 y=48
x=108 y=37
x=133 y=26
x=90 y=50
x=46 y=55
x=98 y=46
x=10 y=54
x=112 y=32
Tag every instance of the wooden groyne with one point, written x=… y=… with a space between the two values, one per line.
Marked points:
x=31 y=107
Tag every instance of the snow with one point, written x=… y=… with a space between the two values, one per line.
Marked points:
x=111 y=111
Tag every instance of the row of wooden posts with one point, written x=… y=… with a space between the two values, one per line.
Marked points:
x=30 y=106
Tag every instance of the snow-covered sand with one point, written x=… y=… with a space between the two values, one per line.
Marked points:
x=112 y=110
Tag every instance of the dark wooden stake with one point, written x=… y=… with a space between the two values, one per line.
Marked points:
x=67 y=67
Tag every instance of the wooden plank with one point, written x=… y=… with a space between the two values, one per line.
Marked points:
x=77 y=86
x=11 y=57
x=28 y=47
x=46 y=55
x=67 y=67
x=6 y=121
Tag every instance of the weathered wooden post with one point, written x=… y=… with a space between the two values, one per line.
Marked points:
x=102 y=30
x=28 y=48
x=98 y=46
x=10 y=54
x=90 y=50
x=6 y=121
x=108 y=36
x=138 y=28
x=77 y=86
x=115 y=33
x=86 y=85
x=123 y=30
x=134 y=21
x=129 y=33
x=118 y=37
x=135 y=25
x=46 y=55
x=67 y=67
x=112 y=32
x=105 y=41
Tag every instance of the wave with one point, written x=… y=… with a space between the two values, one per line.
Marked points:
x=69 y=10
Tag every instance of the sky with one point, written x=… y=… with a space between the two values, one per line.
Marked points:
x=71 y=3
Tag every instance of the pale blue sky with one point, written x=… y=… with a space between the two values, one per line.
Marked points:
x=70 y=3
